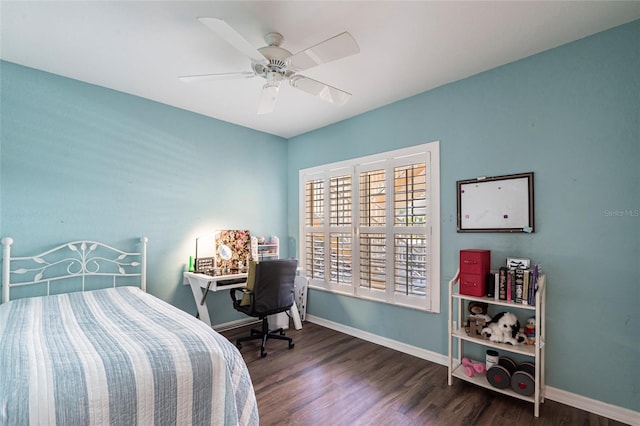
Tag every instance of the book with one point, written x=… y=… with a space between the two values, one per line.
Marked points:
x=491 y=286
x=511 y=292
x=502 y=283
x=518 y=263
x=533 y=285
x=525 y=290
x=518 y=285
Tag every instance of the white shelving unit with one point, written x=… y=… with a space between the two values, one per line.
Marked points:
x=269 y=250
x=458 y=334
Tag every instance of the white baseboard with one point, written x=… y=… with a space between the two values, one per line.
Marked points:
x=600 y=408
x=382 y=341
x=233 y=324
x=594 y=406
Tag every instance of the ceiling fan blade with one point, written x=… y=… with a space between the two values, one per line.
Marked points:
x=231 y=36
x=268 y=97
x=321 y=90
x=335 y=48
x=220 y=76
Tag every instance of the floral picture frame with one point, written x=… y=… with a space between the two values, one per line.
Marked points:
x=233 y=249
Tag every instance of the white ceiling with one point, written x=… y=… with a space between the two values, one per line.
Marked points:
x=405 y=48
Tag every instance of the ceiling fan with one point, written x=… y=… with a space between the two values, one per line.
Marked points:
x=276 y=64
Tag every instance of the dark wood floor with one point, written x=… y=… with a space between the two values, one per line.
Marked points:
x=332 y=379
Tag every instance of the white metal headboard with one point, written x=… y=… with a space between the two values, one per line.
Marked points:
x=78 y=259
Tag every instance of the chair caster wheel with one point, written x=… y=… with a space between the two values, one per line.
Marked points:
x=262 y=354
x=291 y=345
x=282 y=332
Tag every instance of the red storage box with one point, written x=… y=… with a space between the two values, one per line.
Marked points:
x=475 y=265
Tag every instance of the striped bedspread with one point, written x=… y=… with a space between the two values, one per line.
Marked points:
x=117 y=356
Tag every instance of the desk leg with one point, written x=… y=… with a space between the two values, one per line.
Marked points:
x=296 y=316
x=198 y=296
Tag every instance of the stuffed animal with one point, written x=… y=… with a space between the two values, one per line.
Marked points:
x=504 y=328
x=530 y=331
x=477 y=319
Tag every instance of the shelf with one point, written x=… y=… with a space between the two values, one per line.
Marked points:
x=481 y=380
x=262 y=256
x=529 y=350
x=459 y=336
x=268 y=250
x=492 y=301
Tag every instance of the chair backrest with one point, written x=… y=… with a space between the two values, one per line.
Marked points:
x=273 y=288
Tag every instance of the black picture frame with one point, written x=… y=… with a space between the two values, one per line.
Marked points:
x=496 y=204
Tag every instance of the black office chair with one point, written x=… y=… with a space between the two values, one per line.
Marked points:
x=272 y=293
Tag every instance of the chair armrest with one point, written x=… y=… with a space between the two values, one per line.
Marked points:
x=232 y=293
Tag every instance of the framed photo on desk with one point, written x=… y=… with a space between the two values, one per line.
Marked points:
x=223 y=252
x=233 y=250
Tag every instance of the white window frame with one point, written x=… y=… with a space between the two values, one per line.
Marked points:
x=429 y=153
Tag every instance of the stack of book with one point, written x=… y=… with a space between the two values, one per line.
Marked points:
x=517 y=282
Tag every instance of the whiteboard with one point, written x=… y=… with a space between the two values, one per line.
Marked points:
x=496 y=204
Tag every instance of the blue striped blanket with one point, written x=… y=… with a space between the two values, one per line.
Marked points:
x=117 y=356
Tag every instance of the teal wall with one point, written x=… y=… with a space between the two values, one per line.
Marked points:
x=80 y=161
x=83 y=162
x=571 y=115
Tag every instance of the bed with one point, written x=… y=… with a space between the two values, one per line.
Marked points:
x=92 y=348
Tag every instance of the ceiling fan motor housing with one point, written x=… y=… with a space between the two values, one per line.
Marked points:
x=278 y=58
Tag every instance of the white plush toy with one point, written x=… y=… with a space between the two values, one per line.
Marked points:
x=503 y=328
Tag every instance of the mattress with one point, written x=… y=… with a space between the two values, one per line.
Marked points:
x=117 y=356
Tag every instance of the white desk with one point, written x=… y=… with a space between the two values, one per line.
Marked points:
x=197 y=282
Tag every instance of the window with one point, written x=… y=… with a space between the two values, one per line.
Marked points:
x=369 y=227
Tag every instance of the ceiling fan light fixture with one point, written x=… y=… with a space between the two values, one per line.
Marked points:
x=272 y=87
x=269 y=95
